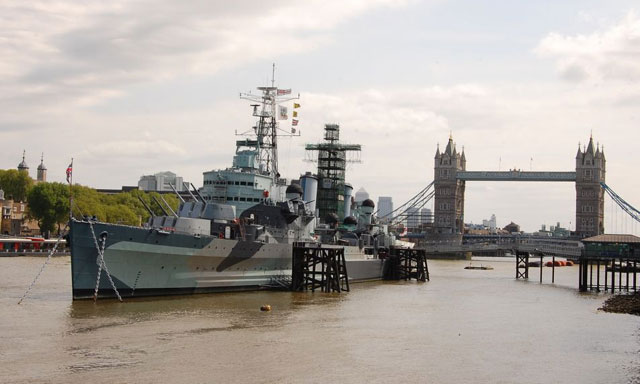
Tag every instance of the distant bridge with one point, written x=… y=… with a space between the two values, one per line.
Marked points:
x=551 y=247
x=515 y=175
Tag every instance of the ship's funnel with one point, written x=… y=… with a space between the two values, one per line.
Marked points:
x=348 y=192
x=309 y=184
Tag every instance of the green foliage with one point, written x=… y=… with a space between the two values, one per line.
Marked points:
x=122 y=208
x=49 y=204
x=15 y=184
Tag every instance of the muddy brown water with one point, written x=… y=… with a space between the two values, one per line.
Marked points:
x=464 y=326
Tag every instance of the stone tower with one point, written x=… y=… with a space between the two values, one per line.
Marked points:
x=23 y=164
x=42 y=171
x=590 y=172
x=449 y=192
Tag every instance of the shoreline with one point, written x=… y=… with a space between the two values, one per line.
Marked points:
x=629 y=304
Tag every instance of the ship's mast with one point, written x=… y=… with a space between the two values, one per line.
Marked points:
x=266 y=129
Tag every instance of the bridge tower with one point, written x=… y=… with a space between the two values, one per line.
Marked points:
x=449 y=191
x=590 y=171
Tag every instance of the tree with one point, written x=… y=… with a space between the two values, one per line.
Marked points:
x=122 y=208
x=49 y=204
x=15 y=184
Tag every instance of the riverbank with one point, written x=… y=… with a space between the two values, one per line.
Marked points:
x=629 y=304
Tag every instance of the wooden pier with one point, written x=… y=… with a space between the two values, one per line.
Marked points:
x=610 y=263
x=608 y=274
x=523 y=264
x=321 y=268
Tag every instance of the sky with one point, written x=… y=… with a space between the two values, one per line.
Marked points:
x=129 y=88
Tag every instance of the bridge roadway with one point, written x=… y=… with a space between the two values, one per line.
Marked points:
x=515 y=175
x=551 y=247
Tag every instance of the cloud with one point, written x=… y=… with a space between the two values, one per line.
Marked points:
x=62 y=58
x=77 y=54
x=133 y=150
x=609 y=55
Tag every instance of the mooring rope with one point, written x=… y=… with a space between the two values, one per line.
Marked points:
x=102 y=264
x=53 y=250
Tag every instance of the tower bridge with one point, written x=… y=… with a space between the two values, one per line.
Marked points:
x=515 y=175
x=451 y=175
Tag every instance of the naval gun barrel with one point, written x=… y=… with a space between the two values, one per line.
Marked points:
x=160 y=205
x=176 y=192
x=168 y=206
x=146 y=206
x=185 y=185
x=198 y=193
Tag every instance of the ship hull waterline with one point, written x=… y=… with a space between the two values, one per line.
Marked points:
x=149 y=262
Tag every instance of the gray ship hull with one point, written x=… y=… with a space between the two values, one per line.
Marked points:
x=149 y=262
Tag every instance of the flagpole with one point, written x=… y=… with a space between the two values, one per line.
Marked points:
x=70 y=180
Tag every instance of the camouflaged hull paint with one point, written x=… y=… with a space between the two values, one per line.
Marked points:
x=144 y=262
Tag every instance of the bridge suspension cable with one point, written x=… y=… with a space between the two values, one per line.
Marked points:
x=417 y=201
x=628 y=208
x=418 y=205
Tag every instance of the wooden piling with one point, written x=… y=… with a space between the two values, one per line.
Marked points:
x=522 y=265
x=319 y=268
x=406 y=264
x=598 y=275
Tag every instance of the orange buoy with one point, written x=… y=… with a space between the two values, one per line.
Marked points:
x=265 y=308
x=569 y=263
x=548 y=264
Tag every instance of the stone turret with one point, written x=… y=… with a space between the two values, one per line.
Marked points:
x=42 y=171
x=449 y=192
x=23 y=164
x=590 y=172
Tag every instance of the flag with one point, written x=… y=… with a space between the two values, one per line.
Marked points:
x=295 y=113
x=69 y=172
x=282 y=113
x=294 y=122
x=293 y=130
x=296 y=105
x=282 y=92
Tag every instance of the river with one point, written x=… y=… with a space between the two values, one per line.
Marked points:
x=463 y=326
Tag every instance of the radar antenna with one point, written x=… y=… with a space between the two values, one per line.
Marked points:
x=265 y=108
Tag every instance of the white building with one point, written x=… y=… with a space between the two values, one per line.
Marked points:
x=161 y=182
x=361 y=195
x=490 y=224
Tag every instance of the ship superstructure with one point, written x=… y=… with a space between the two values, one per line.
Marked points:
x=253 y=177
x=334 y=195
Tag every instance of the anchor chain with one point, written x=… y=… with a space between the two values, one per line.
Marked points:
x=53 y=250
x=103 y=238
x=102 y=263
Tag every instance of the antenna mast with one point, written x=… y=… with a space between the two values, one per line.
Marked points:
x=266 y=129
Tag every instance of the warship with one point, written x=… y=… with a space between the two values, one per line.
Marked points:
x=237 y=232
